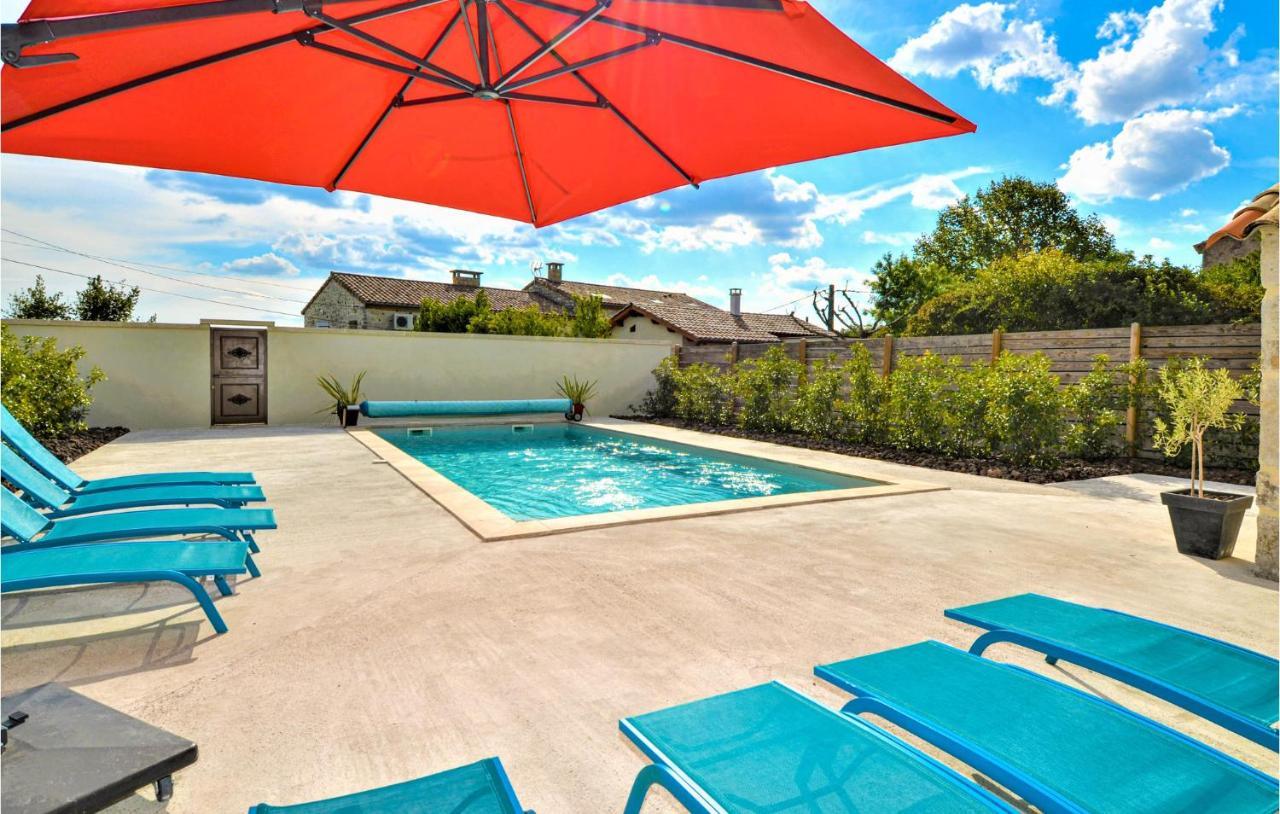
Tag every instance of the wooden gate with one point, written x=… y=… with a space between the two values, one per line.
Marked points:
x=239 y=376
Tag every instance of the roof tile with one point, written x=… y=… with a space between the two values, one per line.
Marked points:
x=1247 y=218
x=398 y=292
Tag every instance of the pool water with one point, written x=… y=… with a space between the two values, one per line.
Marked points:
x=541 y=471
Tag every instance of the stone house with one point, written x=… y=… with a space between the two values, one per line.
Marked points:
x=1238 y=238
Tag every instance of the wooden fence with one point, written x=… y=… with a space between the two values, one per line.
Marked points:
x=1071 y=353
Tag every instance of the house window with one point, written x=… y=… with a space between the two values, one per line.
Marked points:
x=322 y=323
x=633 y=329
x=353 y=324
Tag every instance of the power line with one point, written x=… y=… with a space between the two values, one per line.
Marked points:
x=151 y=290
x=130 y=265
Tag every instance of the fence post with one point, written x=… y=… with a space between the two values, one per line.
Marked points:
x=886 y=363
x=997 y=343
x=802 y=356
x=1131 y=415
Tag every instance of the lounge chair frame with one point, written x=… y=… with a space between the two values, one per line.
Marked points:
x=1054 y=651
x=1025 y=786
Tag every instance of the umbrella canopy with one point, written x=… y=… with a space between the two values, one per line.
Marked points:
x=535 y=110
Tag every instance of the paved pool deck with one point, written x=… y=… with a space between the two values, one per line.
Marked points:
x=385 y=641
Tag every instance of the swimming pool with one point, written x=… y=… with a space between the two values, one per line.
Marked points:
x=548 y=471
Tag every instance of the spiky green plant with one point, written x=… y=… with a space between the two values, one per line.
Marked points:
x=342 y=396
x=576 y=391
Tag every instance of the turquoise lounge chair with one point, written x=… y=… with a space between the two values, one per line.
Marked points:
x=44 y=493
x=33 y=530
x=1235 y=688
x=1060 y=749
x=24 y=569
x=16 y=436
x=478 y=788
x=770 y=749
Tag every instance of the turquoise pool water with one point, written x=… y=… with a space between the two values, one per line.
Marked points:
x=559 y=470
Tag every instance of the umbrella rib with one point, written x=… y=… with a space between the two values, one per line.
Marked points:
x=386 y=111
x=431 y=100
x=764 y=64
x=554 y=100
x=568 y=31
x=640 y=134
x=382 y=44
x=471 y=38
x=524 y=177
x=308 y=41
x=576 y=66
x=195 y=64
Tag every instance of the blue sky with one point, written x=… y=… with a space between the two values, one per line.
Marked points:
x=1160 y=117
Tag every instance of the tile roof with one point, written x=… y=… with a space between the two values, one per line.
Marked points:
x=784 y=326
x=697 y=321
x=1262 y=209
x=398 y=292
x=614 y=296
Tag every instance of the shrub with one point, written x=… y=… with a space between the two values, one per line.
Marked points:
x=42 y=385
x=917 y=408
x=1094 y=404
x=452 y=317
x=528 y=321
x=37 y=303
x=1024 y=402
x=1196 y=399
x=863 y=411
x=702 y=395
x=660 y=402
x=765 y=389
x=816 y=410
x=589 y=319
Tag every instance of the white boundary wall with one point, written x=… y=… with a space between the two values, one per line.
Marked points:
x=158 y=374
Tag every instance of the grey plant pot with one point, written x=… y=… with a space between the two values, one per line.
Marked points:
x=1205 y=527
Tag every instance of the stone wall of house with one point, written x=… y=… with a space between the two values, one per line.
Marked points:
x=1228 y=249
x=336 y=306
x=1268 y=448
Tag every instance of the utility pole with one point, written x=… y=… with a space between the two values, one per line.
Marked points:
x=831 y=307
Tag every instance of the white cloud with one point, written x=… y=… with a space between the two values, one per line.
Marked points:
x=790 y=278
x=980 y=39
x=1153 y=155
x=1161 y=59
x=700 y=289
x=266 y=265
x=1188 y=213
x=1160 y=244
x=889 y=238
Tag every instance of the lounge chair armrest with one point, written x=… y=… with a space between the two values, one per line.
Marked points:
x=655 y=774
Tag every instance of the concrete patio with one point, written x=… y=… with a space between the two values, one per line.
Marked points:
x=384 y=641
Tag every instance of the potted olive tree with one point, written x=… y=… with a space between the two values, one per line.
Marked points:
x=346 y=400
x=1197 y=399
x=578 y=393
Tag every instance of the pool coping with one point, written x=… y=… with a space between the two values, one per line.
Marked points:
x=491 y=525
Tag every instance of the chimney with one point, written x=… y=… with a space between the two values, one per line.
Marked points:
x=467 y=278
x=555 y=272
x=735 y=301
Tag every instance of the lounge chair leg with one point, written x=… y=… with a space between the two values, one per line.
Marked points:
x=253 y=545
x=251 y=566
x=223 y=587
x=164 y=788
x=652 y=775
x=1050 y=659
x=202 y=596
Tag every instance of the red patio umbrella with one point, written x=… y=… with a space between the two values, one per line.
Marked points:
x=536 y=110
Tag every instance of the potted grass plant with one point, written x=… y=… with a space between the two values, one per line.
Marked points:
x=1196 y=400
x=578 y=393
x=346 y=400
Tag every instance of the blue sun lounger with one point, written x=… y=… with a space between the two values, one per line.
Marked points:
x=16 y=436
x=33 y=530
x=23 y=569
x=1058 y=748
x=44 y=493
x=478 y=788
x=1235 y=688
x=770 y=749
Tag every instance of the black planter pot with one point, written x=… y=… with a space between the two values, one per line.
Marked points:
x=1205 y=527
x=349 y=417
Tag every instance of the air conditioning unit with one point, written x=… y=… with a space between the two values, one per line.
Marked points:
x=402 y=322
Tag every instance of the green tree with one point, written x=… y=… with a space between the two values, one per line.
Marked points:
x=1050 y=290
x=1012 y=216
x=453 y=317
x=100 y=301
x=37 y=303
x=1196 y=399
x=589 y=319
x=43 y=387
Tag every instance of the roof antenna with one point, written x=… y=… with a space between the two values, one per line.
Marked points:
x=535 y=266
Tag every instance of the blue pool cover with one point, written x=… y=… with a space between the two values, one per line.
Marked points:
x=392 y=409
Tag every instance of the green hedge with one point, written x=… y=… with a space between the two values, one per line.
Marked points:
x=42 y=386
x=1015 y=409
